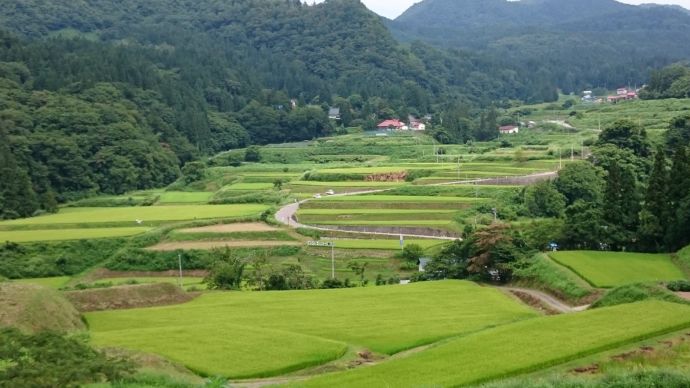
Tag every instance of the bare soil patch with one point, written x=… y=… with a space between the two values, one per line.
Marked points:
x=127 y=297
x=103 y=273
x=207 y=245
x=231 y=228
x=684 y=295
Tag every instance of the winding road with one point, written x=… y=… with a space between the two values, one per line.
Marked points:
x=287 y=214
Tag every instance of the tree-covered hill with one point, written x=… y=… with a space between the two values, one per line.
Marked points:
x=576 y=44
x=105 y=96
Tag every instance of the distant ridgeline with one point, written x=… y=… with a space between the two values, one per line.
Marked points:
x=574 y=44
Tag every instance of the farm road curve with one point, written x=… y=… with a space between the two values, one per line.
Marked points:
x=287 y=214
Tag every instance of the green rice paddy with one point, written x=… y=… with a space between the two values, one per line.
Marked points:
x=518 y=348
x=269 y=333
x=184 y=197
x=20 y=236
x=613 y=269
x=54 y=282
x=382 y=244
x=146 y=214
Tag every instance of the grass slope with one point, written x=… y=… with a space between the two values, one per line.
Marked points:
x=542 y=273
x=32 y=308
x=20 y=236
x=152 y=213
x=518 y=348
x=383 y=319
x=612 y=269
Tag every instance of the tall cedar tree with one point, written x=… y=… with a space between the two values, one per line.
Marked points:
x=17 y=197
x=678 y=231
x=655 y=210
x=621 y=207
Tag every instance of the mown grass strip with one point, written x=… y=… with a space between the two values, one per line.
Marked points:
x=612 y=269
x=518 y=348
x=20 y=236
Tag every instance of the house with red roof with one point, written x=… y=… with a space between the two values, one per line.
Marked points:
x=392 y=124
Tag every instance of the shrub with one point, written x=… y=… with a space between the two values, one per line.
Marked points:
x=636 y=293
x=252 y=154
x=679 y=286
x=412 y=253
x=50 y=360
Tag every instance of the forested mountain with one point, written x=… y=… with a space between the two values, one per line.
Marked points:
x=106 y=96
x=575 y=44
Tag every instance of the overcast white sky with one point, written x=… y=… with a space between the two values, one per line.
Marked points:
x=393 y=8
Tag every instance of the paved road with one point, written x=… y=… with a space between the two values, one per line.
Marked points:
x=548 y=300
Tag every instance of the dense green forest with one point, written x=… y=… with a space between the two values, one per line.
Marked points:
x=574 y=44
x=669 y=82
x=108 y=97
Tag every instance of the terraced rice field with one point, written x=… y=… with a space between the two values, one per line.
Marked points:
x=382 y=244
x=54 y=282
x=88 y=215
x=517 y=348
x=613 y=269
x=385 y=210
x=171 y=197
x=186 y=281
x=292 y=330
x=20 y=236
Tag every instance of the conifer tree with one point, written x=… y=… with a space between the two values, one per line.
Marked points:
x=679 y=201
x=654 y=212
x=621 y=207
x=17 y=196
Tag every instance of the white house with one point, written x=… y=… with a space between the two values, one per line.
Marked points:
x=509 y=129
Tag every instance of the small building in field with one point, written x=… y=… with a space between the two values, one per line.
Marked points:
x=416 y=124
x=509 y=129
x=392 y=125
x=334 y=113
x=423 y=262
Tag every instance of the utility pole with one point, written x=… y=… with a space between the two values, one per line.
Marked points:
x=560 y=158
x=332 y=260
x=458 y=168
x=572 y=152
x=179 y=261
